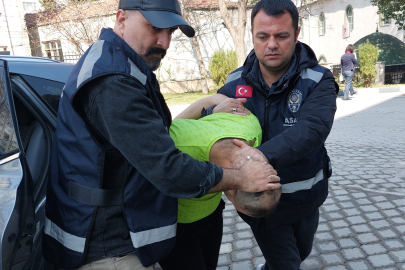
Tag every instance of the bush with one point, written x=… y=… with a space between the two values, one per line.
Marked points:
x=222 y=63
x=368 y=55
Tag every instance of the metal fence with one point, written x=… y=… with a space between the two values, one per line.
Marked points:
x=67 y=58
x=336 y=72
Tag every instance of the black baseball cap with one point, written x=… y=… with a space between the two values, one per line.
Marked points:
x=160 y=13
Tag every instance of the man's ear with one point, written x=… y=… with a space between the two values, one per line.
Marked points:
x=251 y=142
x=120 y=19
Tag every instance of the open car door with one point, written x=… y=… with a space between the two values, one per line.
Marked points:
x=17 y=209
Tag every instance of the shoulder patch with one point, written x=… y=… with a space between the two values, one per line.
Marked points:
x=244 y=91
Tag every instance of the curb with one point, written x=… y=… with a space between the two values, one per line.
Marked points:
x=368 y=91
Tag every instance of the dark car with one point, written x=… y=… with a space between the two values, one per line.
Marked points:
x=30 y=90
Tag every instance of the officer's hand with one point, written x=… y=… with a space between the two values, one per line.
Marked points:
x=241 y=156
x=258 y=176
x=232 y=105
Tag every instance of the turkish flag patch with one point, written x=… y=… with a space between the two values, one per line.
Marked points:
x=244 y=91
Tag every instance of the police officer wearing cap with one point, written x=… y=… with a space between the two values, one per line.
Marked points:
x=115 y=172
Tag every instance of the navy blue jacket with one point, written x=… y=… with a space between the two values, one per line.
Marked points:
x=296 y=119
x=85 y=176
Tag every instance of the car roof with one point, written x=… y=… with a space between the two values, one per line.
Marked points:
x=38 y=67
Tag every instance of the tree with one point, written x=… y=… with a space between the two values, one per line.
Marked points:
x=79 y=22
x=392 y=9
x=368 y=55
x=237 y=31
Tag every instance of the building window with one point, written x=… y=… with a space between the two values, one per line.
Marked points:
x=384 y=20
x=321 y=22
x=302 y=28
x=349 y=17
x=53 y=50
x=29 y=7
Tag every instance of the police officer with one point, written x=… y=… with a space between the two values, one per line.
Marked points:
x=115 y=170
x=294 y=99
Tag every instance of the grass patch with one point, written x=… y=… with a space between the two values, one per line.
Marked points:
x=185 y=98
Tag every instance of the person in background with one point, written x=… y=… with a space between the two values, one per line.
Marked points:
x=347 y=62
x=200 y=223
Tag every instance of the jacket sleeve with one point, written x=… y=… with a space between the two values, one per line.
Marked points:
x=310 y=131
x=118 y=109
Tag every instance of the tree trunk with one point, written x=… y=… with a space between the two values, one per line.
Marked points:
x=237 y=32
x=196 y=46
x=201 y=66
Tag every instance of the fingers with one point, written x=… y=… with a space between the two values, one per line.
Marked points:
x=240 y=143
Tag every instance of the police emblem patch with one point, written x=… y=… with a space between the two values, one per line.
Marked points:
x=294 y=100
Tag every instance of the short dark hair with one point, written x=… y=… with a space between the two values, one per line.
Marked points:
x=259 y=204
x=350 y=48
x=276 y=7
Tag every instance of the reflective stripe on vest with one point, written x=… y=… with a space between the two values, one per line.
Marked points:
x=147 y=237
x=87 y=68
x=137 y=73
x=303 y=185
x=70 y=241
x=311 y=74
x=233 y=76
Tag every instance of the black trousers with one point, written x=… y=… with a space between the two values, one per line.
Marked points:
x=197 y=244
x=285 y=246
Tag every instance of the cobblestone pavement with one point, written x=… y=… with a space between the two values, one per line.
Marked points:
x=362 y=222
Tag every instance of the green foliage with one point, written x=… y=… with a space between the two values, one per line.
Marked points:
x=392 y=9
x=368 y=55
x=222 y=63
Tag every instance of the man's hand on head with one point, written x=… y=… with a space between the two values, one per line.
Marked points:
x=232 y=105
x=246 y=152
x=258 y=176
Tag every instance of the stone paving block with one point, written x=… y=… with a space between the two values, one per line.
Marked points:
x=345 y=232
x=399 y=255
x=243 y=234
x=361 y=228
x=340 y=192
x=229 y=221
x=323 y=227
x=226 y=238
x=388 y=233
x=373 y=249
x=352 y=253
x=356 y=220
x=338 y=224
x=229 y=207
x=348 y=243
x=257 y=251
x=322 y=219
x=342 y=198
x=258 y=260
x=332 y=259
x=241 y=226
x=347 y=204
x=391 y=213
x=229 y=214
x=351 y=212
x=368 y=208
x=381 y=260
x=327 y=247
x=324 y=236
x=400 y=202
x=373 y=216
x=228 y=229
x=359 y=265
x=378 y=198
x=366 y=238
x=224 y=259
x=400 y=229
x=241 y=255
x=225 y=248
x=314 y=252
x=379 y=224
x=335 y=215
x=401 y=266
x=393 y=244
x=364 y=201
x=239 y=219
x=330 y=208
x=222 y=268
x=242 y=244
x=245 y=265
x=398 y=220
x=358 y=195
x=385 y=205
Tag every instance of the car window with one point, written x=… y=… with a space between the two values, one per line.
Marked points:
x=8 y=141
x=49 y=91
